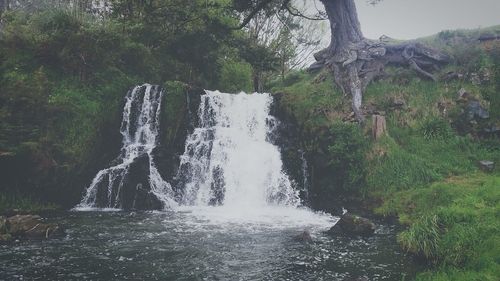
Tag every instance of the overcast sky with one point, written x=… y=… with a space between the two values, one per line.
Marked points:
x=409 y=19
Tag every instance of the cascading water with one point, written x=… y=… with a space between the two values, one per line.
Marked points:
x=229 y=160
x=139 y=129
x=230 y=170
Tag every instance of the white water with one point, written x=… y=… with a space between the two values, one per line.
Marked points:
x=139 y=129
x=228 y=158
x=231 y=171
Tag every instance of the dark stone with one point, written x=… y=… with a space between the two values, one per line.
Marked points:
x=136 y=193
x=398 y=102
x=3 y=225
x=474 y=111
x=452 y=75
x=486 y=166
x=304 y=237
x=217 y=187
x=353 y=225
x=490 y=131
x=174 y=130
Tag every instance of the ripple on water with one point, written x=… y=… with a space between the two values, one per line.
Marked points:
x=203 y=244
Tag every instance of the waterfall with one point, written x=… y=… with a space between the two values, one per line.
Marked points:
x=110 y=188
x=229 y=160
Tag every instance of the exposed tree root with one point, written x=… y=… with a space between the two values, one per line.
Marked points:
x=357 y=64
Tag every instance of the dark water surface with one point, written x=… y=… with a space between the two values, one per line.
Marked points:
x=180 y=246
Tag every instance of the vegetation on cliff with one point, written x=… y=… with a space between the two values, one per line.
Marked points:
x=64 y=74
x=425 y=170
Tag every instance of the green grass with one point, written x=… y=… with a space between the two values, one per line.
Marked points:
x=425 y=171
x=27 y=204
x=454 y=224
x=312 y=98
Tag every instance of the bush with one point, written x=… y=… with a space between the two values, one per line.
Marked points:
x=347 y=155
x=235 y=77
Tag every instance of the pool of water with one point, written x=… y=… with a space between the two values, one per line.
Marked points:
x=203 y=244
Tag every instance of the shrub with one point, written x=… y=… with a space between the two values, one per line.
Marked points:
x=435 y=128
x=347 y=155
x=235 y=76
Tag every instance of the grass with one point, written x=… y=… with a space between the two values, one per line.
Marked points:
x=26 y=204
x=425 y=170
x=454 y=224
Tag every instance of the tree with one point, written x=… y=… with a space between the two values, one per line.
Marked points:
x=354 y=60
x=277 y=40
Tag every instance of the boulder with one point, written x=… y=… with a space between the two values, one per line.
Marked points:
x=31 y=226
x=3 y=225
x=486 y=166
x=353 y=225
x=474 y=110
x=304 y=237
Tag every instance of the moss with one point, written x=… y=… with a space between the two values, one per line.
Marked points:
x=174 y=107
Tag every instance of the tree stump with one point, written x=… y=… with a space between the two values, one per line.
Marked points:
x=379 y=127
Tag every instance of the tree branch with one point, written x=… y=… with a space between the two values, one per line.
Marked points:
x=297 y=13
x=254 y=12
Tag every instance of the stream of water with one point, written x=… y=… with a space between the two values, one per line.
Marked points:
x=202 y=244
x=236 y=217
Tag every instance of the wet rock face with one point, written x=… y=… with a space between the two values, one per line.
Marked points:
x=27 y=226
x=353 y=225
x=288 y=137
x=174 y=130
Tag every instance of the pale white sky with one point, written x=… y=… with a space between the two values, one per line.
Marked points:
x=409 y=19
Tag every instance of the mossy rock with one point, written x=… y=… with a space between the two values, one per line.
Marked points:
x=353 y=225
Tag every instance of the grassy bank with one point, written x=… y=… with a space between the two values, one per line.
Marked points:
x=452 y=223
x=425 y=170
x=12 y=203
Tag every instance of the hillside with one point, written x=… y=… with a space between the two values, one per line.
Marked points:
x=425 y=171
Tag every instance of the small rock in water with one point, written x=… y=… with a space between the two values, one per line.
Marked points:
x=353 y=225
x=486 y=165
x=305 y=236
x=31 y=226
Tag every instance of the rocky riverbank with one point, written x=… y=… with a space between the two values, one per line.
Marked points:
x=18 y=227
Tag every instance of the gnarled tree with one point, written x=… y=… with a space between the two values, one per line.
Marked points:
x=353 y=59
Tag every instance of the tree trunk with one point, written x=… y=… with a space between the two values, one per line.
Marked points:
x=355 y=61
x=344 y=23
